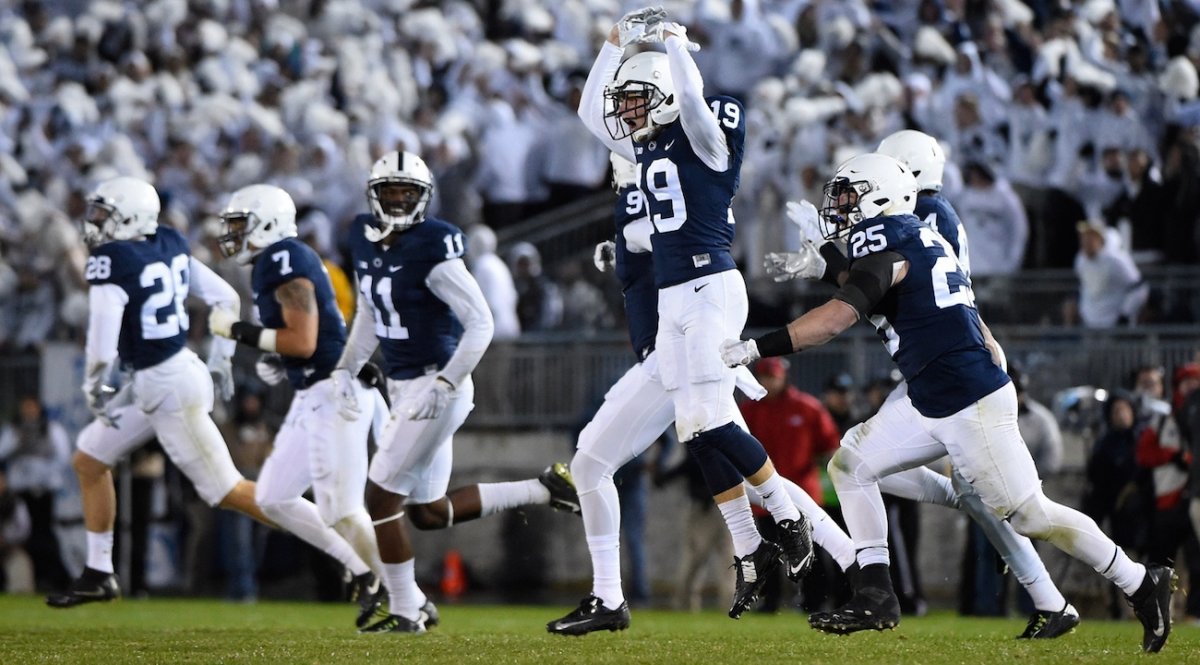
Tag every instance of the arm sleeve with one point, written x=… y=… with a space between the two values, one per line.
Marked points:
x=870 y=278
x=451 y=283
x=591 y=103
x=360 y=339
x=216 y=292
x=701 y=126
x=106 y=307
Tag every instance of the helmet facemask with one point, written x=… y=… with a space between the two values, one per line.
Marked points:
x=625 y=105
x=397 y=204
x=100 y=221
x=235 y=242
x=840 y=209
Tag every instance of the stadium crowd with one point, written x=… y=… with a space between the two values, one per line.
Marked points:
x=1052 y=113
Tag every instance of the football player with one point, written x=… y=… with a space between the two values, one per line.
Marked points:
x=302 y=336
x=140 y=274
x=635 y=412
x=417 y=301
x=1052 y=616
x=651 y=110
x=904 y=276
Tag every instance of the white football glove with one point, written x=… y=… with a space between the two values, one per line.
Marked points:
x=805 y=264
x=605 y=256
x=736 y=352
x=99 y=395
x=347 y=399
x=658 y=32
x=631 y=29
x=269 y=367
x=221 y=320
x=804 y=216
x=430 y=403
x=221 y=369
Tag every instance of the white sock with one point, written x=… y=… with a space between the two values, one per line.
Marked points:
x=495 y=497
x=404 y=596
x=825 y=532
x=1125 y=572
x=740 y=522
x=776 y=499
x=357 y=530
x=606 y=569
x=300 y=517
x=100 y=546
x=871 y=555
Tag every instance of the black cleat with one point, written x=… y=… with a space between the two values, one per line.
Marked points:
x=394 y=623
x=874 y=606
x=90 y=587
x=589 y=617
x=795 y=536
x=1045 y=625
x=1151 y=604
x=430 y=612
x=753 y=571
x=369 y=593
x=557 y=479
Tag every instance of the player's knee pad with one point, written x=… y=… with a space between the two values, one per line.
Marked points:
x=742 y=450
x=847 y=467
x=719 y=472
x=589 y=473
x=1033 y=517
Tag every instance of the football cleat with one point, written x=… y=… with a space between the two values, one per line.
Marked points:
x=753 y=571
x=394 y=623
x=367 y=591
x=591 y=616
x=430 y=612
x=1045 y=625
x=557 y=479
x=90 y=587
x=874 y=606
x=1151 y=604
x=795 y=536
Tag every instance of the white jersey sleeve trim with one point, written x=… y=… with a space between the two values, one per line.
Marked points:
x=591 y=103
x=453 y=284
x=361 y=341
x=106 y=307
x=699 y=123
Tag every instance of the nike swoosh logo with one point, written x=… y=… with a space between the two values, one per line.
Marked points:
x=668 y=146
x=697 y=289
x=394 y=268
x=1158 y=630
x=794 y=569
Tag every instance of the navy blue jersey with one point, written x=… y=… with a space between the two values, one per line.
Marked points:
x=154 y=273
x=937 y=212
x=636 y=272
x=689 y=202
x=928 y=320
x=416 y=330
x=279 y=264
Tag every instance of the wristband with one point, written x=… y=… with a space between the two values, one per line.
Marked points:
x=775 y=343
x=252 y=335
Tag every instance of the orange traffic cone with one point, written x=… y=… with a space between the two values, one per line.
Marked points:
x=454 y=576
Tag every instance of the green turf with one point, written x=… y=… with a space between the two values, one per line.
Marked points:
x=194 y=631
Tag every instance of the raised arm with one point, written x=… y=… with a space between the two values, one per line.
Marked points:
x=699 y=122
x=591 y=103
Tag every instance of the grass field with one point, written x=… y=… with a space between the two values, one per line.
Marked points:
x=201 y=631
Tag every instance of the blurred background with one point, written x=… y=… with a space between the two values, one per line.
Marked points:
x=1074 y=162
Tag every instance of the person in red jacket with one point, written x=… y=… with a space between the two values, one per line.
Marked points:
x=1163 y=448
x=797 y=428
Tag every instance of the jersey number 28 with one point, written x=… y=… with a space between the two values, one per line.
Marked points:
x=163 y=314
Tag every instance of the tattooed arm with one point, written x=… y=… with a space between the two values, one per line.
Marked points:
x=298 y=336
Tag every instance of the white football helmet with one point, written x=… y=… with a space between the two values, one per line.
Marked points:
x=624 y=172
x=122 y=208
x=405 y=207
x=256 y=217
x=865 y=187
x=921 y=153
x=642 y=87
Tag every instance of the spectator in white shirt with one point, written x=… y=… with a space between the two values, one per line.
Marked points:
x=994 y=219
x=1111 y=290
